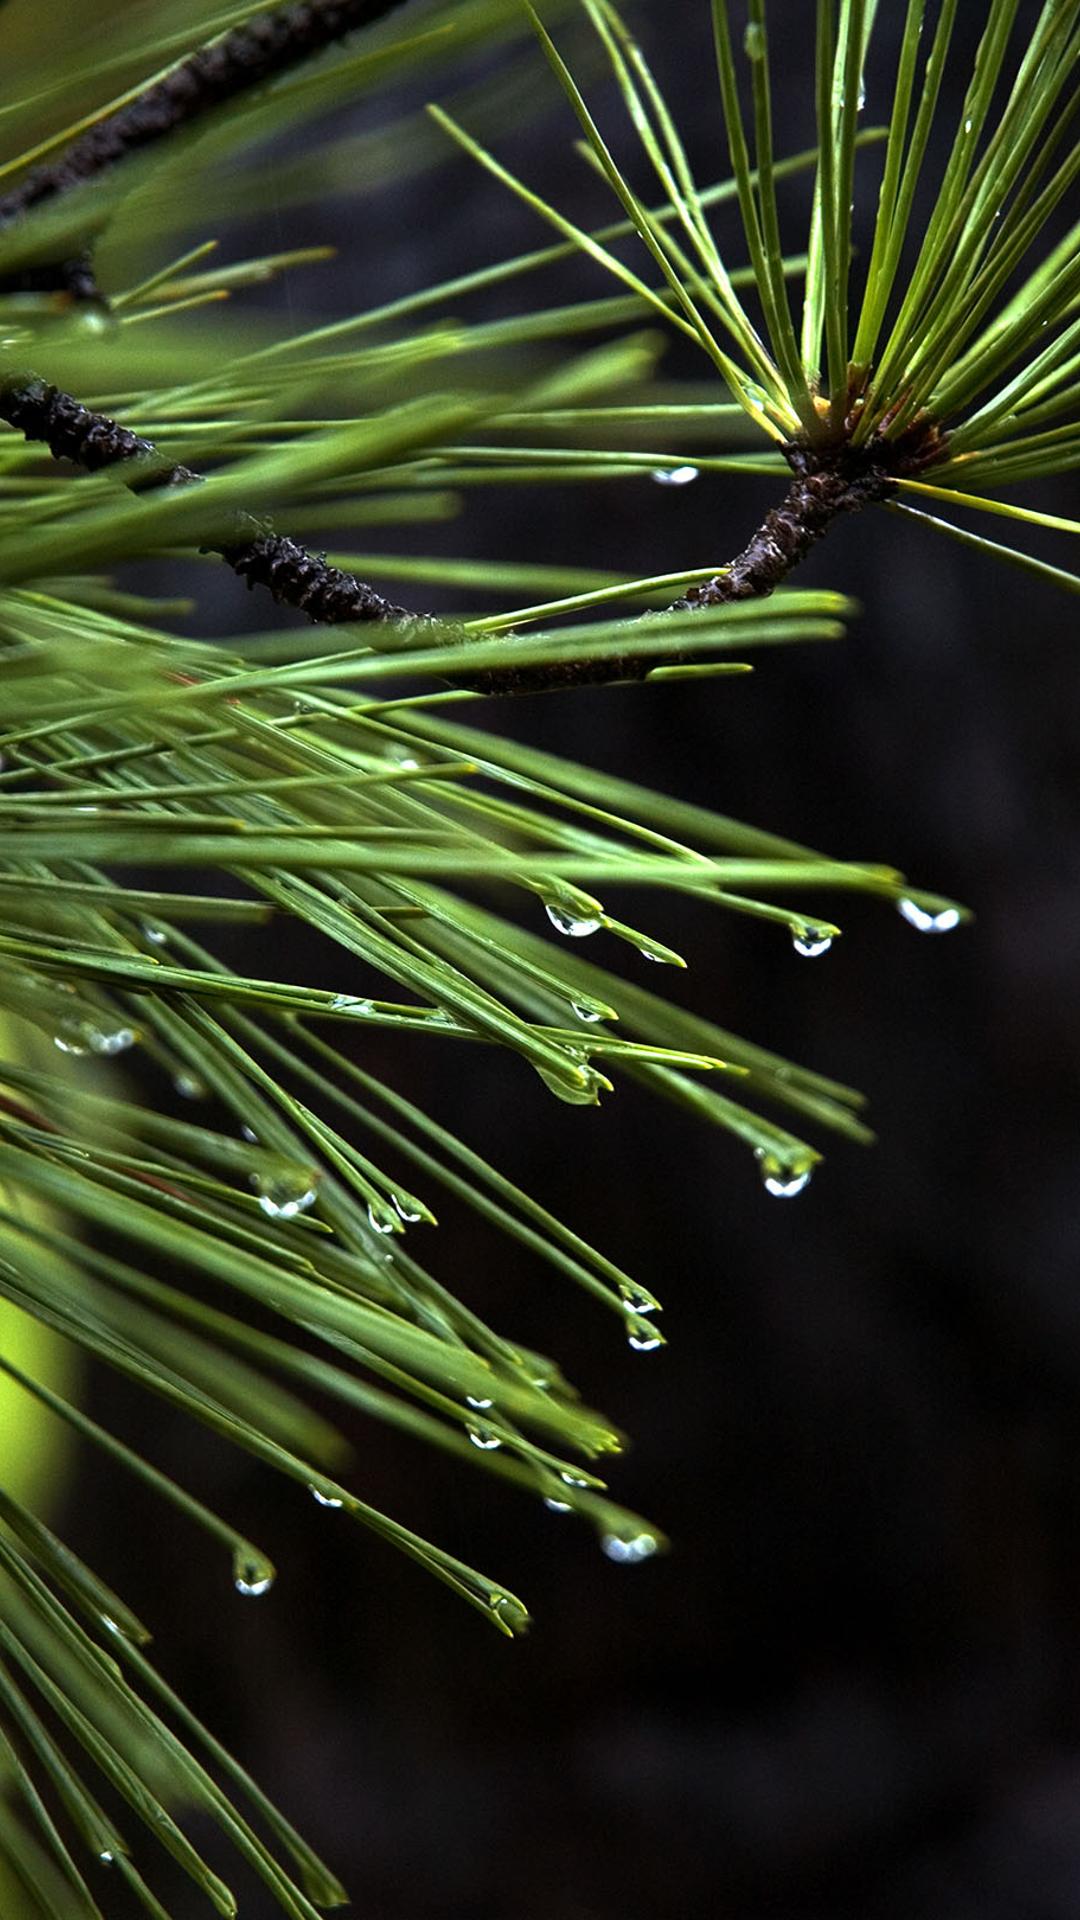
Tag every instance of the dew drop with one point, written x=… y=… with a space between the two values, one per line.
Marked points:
x=967 y=126
x=781 y=1180
x=251 y=1589
x=283 y=1195
x=637 y=1299
x=325 y=1499
x=481 y=1406
x=926 y=922
x=588 y=1010
x=380 y=1217
x=629 y=1548
x=754 y=41
x=573 y=1480
x=575 y=925
x=80 y=1036
x=190 y=1087
x=482 y=1436
x=349 y=1003
x=251 y=1138
x=252 y=1575
x=71 y=1037
x=511 y=1615
x=576 y=1090
x=674 y=476
x=118 y=1040
x=642 y=1335
x=106 y=1857
x=406 y=1209
x=811 y=942
x=556 y=1506
x=154 y=936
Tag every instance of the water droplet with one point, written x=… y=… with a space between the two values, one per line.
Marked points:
x=116 y=1041
x=251 y=1138
x=381 y=1217
x=967 y=126
x=481 y=1405
x=106 y=1857
x=510 y=1614
x=190 y=1087
x=628 y=1548
x=588 y=1010
x=154 y=936
x=109 y=1624
x=575 y=925
x=861 y=101
x=406 y=1209
x=349 y=1003
x=482 y=1436
x=252 y=1575
x=95 y=319
x=811 y=942
x=642 y=1335
x=577 y=1090
x=674 y=476
x=925 y=921
x=325 y=1499
x=754 y=41
x=637 y=1298
x=780 y=1179
x=283 y=1195
x=79 y=1036
x=573 y=1480
x=71 y=1037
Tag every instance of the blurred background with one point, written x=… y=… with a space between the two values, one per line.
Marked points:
x=851 y=1688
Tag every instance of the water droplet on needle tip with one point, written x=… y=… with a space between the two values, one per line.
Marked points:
x=781 y=1179
x=925 y=920
x=575 y=925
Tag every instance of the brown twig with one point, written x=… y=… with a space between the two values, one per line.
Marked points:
x=74 y=432
x=262 y=558
x=237 y=63
x=828 y=482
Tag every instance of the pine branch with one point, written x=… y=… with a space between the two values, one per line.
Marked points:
x=829 y=482
x=92 y=440
x=249 y=57
x=73 y=432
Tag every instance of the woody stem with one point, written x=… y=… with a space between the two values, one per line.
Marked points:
x=825 y=485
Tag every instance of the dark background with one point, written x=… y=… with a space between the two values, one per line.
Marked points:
x=851 y=1689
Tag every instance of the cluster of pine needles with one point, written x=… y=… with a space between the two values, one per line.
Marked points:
x=167 y=800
